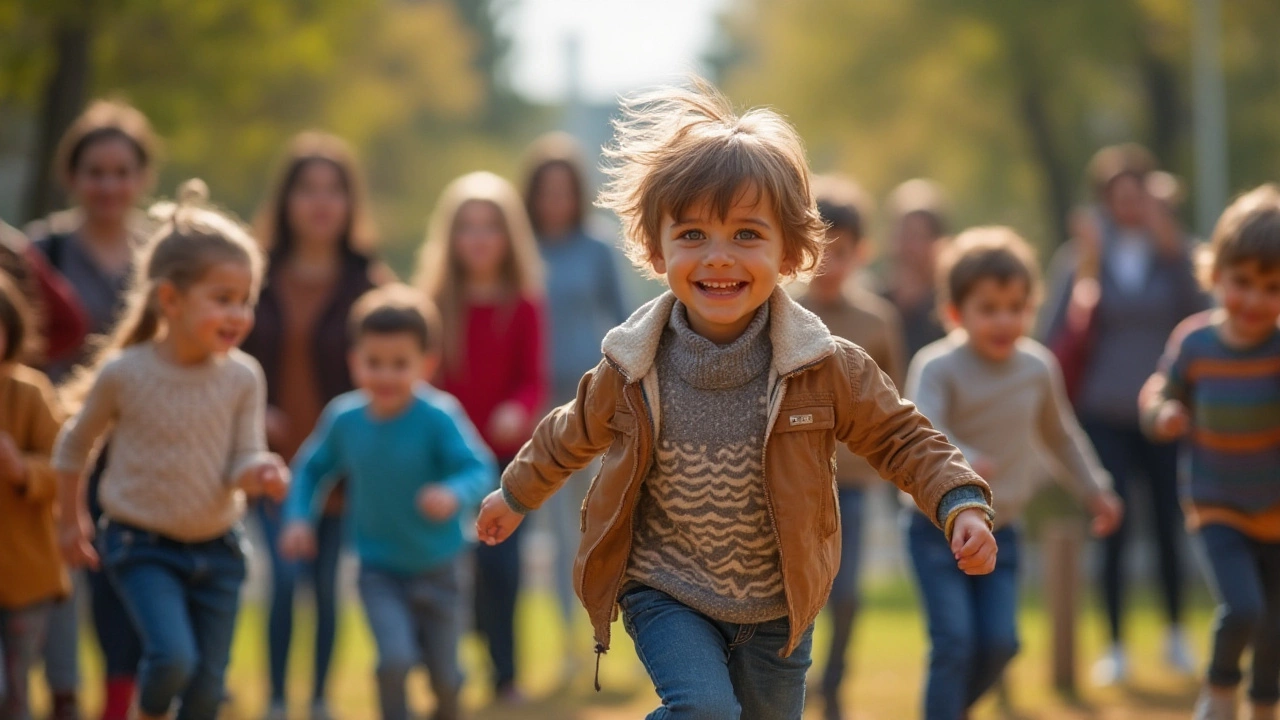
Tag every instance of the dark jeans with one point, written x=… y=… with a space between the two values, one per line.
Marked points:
x=1244 y=575
x=973 y=631
x=1128 y=455
x=183 y=599
x=497 y=584
x=415 y=618
x=704 y=669
x=323 y=572
x=842 y=605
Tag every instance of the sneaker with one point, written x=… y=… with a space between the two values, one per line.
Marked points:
x=277 y=711
x=1258 y=711
x=1112 y=668
x=1177 y=652
x=320 y=711
x=1216 y=704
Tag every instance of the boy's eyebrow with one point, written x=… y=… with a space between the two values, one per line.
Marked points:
x=749 y=220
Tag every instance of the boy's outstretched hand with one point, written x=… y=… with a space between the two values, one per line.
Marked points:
x=496 y=521
x=972 y=542
x=298 y=541
x=437 y=502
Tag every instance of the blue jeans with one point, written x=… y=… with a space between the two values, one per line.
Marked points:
x=842 y=605
x=1129 y=456
x=183 y=599
x=1244 y=575
x=323 y=571
x=22 y=632
x=704 y=669
x=120 y=644
x=972 y=620
x=414 y=619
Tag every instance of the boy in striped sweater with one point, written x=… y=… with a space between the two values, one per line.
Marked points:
x=1219 y=387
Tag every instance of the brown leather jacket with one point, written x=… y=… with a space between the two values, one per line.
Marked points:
x=822 y=390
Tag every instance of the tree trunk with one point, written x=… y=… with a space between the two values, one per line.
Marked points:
x=1035 y=119
x=64 y=96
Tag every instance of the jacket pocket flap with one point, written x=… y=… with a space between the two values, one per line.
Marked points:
x=798 y=419
x=623 y=422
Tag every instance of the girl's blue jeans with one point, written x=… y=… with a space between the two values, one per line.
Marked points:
x=973 y=632
x=182 y=598
x=705 y=669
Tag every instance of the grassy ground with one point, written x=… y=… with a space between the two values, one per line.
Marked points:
x=887 y=669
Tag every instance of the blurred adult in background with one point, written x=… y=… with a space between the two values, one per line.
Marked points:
x=919 y=226
x=584 y=301
x=319 y=239
x=106 y=160
x=480 y=266
x=1117 y=292
x=870 y=321
x=61 y=323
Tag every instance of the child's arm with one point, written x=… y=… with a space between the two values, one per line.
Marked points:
x=37 y=481
x=929 y=387
x=1080 y=469
x=511 y=420
x=904 y=448
x=71 y=451
x=253 y=468
x=470 y=469
x=566 y=440
x=316 y=469
x=1163 y=401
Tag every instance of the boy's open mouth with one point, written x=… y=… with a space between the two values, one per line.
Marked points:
x=720 y=287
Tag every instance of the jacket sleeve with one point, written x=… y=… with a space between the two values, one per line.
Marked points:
x=45 y=421
x=903 y=446
x=568 y=439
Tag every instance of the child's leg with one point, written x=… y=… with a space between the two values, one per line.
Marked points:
x=439 y=624
x=387 y=606
x=843 y=603
x=767 y=686
x=121 y=648
x=280 y=618
x=1117 y=457
x=686 y=655
x=213 y=598
x=62 y=650
x=152 y=582
x=22 y=633
x=325 y=580
x=1160 y=464
x=1265 y=686
x=497 y=586
x=1233 y=573
x=946 y=593
x=995 y=609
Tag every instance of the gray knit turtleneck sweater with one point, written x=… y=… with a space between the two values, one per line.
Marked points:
x=703 y=533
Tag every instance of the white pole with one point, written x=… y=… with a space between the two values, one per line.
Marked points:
x=1210 y=126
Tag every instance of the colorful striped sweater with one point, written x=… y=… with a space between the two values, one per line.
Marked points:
x=1232 y=457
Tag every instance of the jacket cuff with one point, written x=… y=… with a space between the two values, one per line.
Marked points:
x=513 y=503
x=958 y=500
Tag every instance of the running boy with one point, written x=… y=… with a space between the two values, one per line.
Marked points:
x=414 y=465
x=1219 y=386
x=1000 y=397
x=713 y=522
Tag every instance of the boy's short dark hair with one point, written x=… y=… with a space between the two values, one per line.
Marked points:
x=394 y=309
x=996 y=253
x=843 y=205
x=1248 y=231
x=15 y=316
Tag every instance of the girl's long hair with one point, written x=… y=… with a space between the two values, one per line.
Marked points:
x=271 y=227
x=441 y=276
x=191 y=238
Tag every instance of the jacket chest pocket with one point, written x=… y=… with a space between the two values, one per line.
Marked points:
x=803 y=446
x=623 y=427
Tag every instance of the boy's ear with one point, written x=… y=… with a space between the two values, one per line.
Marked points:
x=167 y=297
x=951 y=315
x=430 y=364
x=658 y=263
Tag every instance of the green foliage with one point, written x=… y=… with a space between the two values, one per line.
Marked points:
x=1002 y=101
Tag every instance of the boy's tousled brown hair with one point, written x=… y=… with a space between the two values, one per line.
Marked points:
x=393 y=309
x=1248 y=231
x=994 y=252
x=676 y=147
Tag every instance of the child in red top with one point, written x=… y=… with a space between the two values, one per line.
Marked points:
x=481 y=267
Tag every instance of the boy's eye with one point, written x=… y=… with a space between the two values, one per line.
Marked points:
x=746 y=235
x=692 y=235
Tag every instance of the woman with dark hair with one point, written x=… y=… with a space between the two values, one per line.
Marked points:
x=1133 y=257
x=583 y=301
x=318 y=238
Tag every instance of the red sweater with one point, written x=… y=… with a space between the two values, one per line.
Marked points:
x=503 y=358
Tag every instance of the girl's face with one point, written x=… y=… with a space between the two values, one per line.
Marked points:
x=108 y=180
x=480 y=240
x=213 y=315
x=555 y=200
x=318 y=207
x=1126 y=200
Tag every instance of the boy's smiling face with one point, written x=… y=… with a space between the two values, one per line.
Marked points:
x=723 y=268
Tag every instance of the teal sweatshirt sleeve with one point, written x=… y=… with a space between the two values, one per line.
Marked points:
x=315 y=470
x=469 y=469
